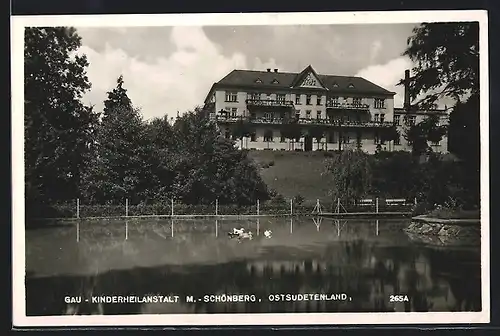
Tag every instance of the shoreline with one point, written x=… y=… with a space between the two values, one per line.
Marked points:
x=448 y=221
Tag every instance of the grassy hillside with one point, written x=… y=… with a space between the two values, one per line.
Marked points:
x=294 y=173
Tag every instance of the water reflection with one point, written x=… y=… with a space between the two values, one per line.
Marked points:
x=367 y=260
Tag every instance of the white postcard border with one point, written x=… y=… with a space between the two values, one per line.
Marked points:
x=18 y=232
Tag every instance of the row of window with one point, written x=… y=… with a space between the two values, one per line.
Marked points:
x=233 y=111
x=357 y=101
x=344 y=138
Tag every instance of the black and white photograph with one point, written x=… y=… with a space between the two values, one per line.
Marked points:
x=250 y=169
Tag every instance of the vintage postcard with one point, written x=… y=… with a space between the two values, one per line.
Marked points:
x=250 y=169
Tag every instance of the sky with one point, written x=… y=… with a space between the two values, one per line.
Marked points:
x=171 y=69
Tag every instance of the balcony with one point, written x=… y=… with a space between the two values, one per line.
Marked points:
x=347 y=106
x=304 y=121
x=268 y=103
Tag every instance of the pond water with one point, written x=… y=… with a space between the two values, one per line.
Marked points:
x=157 y=266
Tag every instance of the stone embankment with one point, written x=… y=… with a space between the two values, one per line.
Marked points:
x=444 y=231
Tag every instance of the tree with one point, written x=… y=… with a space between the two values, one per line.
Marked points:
x=317 y=132
x=119 y=169
x=389 y=134
x=446 y=58
x=59 y=129
x=291 y=130
x=214 y=168
x=419 y=135
x=350 y=175
x=268 y=134
x=242 y=128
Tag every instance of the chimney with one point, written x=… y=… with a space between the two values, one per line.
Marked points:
x=268 y=69
x=275 y=70
x=407 y=90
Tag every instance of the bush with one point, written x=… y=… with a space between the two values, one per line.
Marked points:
x=298 y=200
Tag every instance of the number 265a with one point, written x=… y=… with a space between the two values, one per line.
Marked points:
x=398 y=298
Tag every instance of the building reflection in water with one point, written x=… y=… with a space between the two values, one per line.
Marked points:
x=367 y=262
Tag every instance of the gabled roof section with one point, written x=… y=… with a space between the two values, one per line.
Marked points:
x=308 y=75
x=288 y=80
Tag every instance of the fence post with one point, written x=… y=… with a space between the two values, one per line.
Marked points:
x=77 y=208
x=216 y=206
x=376 y=205
x=258 y=205
x=172 y=212
x=126 y=207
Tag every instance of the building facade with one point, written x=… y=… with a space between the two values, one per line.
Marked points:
x=327 y=112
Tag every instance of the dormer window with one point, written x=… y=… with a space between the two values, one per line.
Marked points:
x=275 y=81
x=258 y=81
x=335 y=85
x=351 y=86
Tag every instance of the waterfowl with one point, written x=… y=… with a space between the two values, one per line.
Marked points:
x=268 y=233
x=246 y=235
x=236 y=232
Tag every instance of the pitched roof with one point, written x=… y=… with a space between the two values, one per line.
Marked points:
x=265 y=79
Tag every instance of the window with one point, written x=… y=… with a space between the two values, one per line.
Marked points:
x=397 y=141
x=268 y=136
x=231 y=96
x=253 y=96
x=282 y=138
x=275 y=81
x=280 y=97
x=356 y=101
x=253 y=137
x=308 y=114
x=228 y=134
x=382 y=117
x=397 y=120
x=379 y=103
x=376 y=117
x=435 y=143
x=297 y=115
x=297 y=99
x=308 y=99
x=268 y=116
x=411 y=120
x=333 y=101
x=258 y=81
x=351 y=86
x=318 y=115
x=318 y=100
x=234 y=111
x=269 y=96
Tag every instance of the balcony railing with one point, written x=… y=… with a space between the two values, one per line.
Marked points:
x=306 y=121
x=346 y=106
x=269 y=102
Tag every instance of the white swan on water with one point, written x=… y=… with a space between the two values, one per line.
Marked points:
x=238 y=231
x=268 y=233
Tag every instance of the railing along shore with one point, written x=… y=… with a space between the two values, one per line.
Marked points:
x=172 y=209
